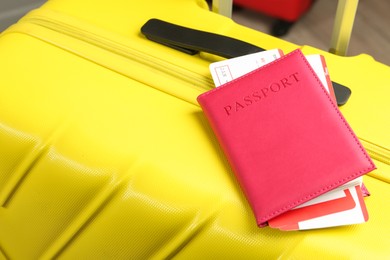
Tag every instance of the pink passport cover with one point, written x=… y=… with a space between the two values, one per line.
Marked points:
x=284 y=137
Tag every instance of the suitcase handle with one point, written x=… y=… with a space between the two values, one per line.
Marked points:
x=343 y=24
x=192 y=41
x=342 y=28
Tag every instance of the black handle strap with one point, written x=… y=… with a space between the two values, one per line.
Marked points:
x=192 y=41
x=341 y=92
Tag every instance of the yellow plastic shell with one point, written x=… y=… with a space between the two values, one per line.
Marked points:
x=105 y=153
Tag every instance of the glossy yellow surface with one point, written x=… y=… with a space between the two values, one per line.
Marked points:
x=343 y=24
x=105 y=153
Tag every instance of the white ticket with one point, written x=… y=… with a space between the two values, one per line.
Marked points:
x=227 y=70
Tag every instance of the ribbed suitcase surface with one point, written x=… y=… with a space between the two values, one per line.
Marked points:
x=105 y=153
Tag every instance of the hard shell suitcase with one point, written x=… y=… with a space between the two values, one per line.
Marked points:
x=105 y=153
x=286 y=10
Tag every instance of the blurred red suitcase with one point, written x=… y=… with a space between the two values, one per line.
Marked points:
x=288 y=10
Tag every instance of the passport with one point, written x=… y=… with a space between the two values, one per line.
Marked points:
x=284 y=136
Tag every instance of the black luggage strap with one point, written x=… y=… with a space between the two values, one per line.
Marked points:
x=193 y=41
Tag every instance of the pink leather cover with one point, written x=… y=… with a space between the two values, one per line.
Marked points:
x=284 y=137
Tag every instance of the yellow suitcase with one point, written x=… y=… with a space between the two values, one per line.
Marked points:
x=105 y=153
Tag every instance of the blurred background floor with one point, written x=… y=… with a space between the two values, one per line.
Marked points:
x=12 y=10
x=370 y=35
